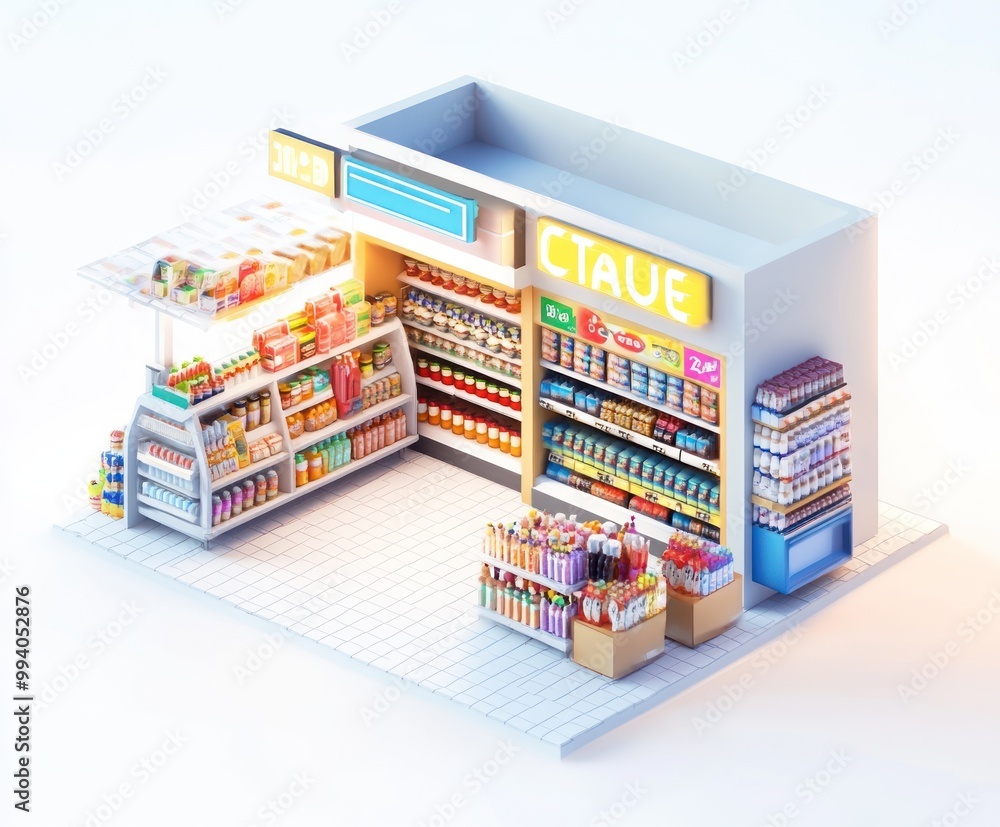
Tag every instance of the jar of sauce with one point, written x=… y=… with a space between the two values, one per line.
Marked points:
x=265 y=407
x=253 y=411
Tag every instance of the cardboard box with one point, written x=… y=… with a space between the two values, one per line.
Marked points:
x=693 y=620
x=617 y=654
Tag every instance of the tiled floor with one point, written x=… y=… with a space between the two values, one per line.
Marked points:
x=308 y=568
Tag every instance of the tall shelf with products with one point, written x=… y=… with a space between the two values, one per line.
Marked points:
x=626 y=433
x=802 y=505
x=460 y=324
x=175 y=468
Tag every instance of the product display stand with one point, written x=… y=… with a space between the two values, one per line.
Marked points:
x=803 y=515
x=186 y=503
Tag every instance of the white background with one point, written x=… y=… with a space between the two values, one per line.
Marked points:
x=889 y=92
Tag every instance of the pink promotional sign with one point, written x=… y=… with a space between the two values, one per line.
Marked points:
x=702 y=368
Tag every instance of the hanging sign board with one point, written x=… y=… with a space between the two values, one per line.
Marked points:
x=629 y=275
x=302 y=161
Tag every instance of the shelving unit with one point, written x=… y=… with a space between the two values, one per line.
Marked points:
x=470 y=447
x=633 y=489
x=554 y=585
x=669 y=451
x=357 y=464
x=564 y=645
x=506 y=378
x=469 y=343
x=624 y=394
x=452 y=296
x=181 y=427
x=462 y=396
x=252 y=469
x=307 y=438
x=785 y=559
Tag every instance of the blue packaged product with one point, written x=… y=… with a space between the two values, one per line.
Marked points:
x=702 y=445
x=668 y=478
x=658 y=474
x=598 y=363
x=705 y=495
x=639 y=379
x=559 y=434
x=693 y=486
x=681 y=484
x=675 y=393
x=657 y=390
x=580 y=400
x=635 y=463
x=649 y=472
x=600 y=444
x=547 y=429
x=545 y=388
x=622 y=462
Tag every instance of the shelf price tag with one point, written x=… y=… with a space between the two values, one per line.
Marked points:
x=302 y=161
x=607 y=479
x=652 y=496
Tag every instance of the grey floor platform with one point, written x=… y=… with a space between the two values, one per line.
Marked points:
x=308 y=569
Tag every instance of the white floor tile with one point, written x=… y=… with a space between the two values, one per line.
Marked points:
x=399 y=597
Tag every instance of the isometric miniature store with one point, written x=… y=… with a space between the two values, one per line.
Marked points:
x=622 y=426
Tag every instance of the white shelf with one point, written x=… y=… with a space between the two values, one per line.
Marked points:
x=281 y=499
x=388 y=370
x=190 y=314
x=436 y=433
x=252 y=468
x=555 y=585
x=186 y=474
x=563 y=644
x=646 y=526
x=169 y=432
x=468 y=343
x=316 y=399
x=513 y=381
x=496 y=407
x=642 y=400
x=264 y=380
x=455 y=298
x=312 y=437
x=355 y=464
x=186 y=488
x=670 y=451
x=167 y=508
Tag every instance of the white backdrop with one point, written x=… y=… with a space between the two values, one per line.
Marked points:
x=890 y=105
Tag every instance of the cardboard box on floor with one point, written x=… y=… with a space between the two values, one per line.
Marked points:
x=617 y=654
x=693 y=620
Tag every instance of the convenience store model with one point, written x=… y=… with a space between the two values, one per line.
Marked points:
x=639 y=256
x=577 y=313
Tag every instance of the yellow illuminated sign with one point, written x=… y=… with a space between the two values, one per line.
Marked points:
x=629 y=275
x=302 y=161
